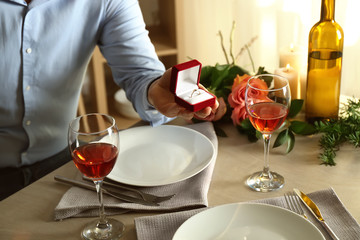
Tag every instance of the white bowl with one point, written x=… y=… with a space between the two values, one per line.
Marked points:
x=124 y=106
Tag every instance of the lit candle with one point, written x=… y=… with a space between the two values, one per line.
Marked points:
x=302 y=85
x=295 y=56
x=293 y=77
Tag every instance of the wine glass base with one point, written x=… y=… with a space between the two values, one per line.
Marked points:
x=265 y=182
x=113 y=230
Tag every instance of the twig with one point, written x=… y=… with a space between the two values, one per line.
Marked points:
x=251 y=59
x=223 y=47
x=244 y=47
x=231 y=42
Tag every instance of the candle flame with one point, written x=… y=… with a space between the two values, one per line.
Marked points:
x=291 y=47
x=287 y=69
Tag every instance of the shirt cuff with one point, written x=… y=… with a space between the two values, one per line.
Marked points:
x=154 y=116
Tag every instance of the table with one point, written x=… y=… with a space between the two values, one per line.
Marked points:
x=28 y=214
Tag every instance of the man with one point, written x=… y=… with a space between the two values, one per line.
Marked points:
x=45 y=46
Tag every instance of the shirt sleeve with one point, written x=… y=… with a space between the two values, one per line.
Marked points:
x=125 y=44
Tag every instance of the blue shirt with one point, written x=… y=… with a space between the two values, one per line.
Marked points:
x=44 y=51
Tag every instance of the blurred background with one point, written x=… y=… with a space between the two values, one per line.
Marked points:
x=189 y=29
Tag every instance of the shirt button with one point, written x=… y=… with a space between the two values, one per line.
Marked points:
x=27 y=88
x=29 y=50
x=28 y=122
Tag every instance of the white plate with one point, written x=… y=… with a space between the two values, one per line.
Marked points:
x=247 y=221
x=154 y=156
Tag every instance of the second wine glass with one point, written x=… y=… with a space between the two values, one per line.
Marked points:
x=267 y=101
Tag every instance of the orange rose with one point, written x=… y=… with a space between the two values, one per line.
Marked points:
x=254 y=93
x=237 y=95
x=238 y=114
x=236 y=98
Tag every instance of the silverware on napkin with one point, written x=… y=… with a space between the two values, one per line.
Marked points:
x=315 y=211
x=146 y=196
x=114 y=194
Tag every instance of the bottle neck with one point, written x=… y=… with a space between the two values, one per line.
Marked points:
x=327 y=10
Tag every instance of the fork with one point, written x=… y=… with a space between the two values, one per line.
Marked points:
x=294 y=204
x=145 y=196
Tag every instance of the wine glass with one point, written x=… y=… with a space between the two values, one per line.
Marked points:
x=94 y=143
x=267 y=101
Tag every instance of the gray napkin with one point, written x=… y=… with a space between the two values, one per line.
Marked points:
x=190 y=193
x=164 y=226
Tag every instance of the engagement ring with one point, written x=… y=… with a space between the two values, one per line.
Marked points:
x=195 y=91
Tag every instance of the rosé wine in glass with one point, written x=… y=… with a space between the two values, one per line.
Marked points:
x=95 y=160
x=267 y=108
x=267 y=116
x=94 y=142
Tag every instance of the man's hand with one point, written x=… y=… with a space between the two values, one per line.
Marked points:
x=160 y=96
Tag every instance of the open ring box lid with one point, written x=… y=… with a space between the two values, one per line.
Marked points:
x=185 y=78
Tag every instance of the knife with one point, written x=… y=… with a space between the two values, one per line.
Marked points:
x=114 y=194
x=106 y=183
x=315 y=211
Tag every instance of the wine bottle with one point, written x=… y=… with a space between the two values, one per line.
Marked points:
x=325 y=52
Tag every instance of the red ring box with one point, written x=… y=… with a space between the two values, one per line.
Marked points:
x=185 y=78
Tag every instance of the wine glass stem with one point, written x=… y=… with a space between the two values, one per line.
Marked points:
x=102 y=221
x=266 y=170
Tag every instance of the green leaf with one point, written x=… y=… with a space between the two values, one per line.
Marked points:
x=236 y=70
x=295 y=108
x=246 y=124
x=219 y=131
x=219 y=79
x=228 y=80
x=291 y=142
x=267 y=79
x=247 y=128
x=281 y=138
x=253 y=136
x=258 y=134
x=285 y=136
x=261 y=70
x=205 y=77
x=219 y=73
x=302 y=128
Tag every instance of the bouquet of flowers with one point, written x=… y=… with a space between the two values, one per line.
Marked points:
x=228 y=83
